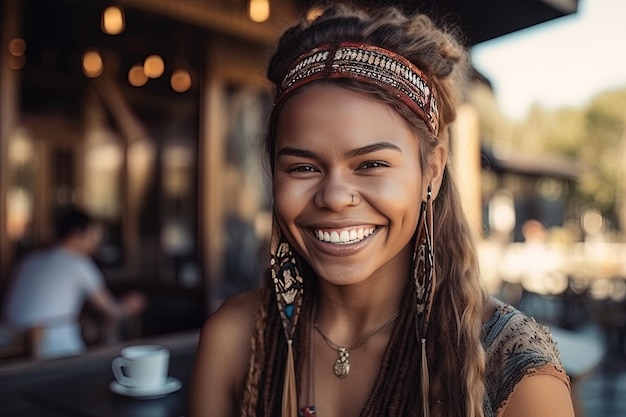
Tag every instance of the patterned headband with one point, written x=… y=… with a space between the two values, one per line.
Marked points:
x=369 y=64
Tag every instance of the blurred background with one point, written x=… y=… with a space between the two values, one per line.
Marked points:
x=149 y=114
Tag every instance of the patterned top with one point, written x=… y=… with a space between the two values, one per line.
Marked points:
x=516 y=347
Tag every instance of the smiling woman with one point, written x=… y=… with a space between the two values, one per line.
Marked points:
x=322 y=162
x=372 y=304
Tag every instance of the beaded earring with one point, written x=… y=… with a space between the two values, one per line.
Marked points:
x=425 y=279
x=289 y=289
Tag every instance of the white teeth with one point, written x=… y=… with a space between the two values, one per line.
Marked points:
x=345 y=236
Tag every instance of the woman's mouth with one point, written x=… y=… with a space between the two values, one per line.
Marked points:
x=344 y=236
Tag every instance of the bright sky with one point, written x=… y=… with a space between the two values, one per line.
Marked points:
x=563 y=62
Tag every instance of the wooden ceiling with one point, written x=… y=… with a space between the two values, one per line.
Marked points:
x=178 y=27
x=482 y=20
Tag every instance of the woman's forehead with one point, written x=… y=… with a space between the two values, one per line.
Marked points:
x=329 y=115
x=329 y=101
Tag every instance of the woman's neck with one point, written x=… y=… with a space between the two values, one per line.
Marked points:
x=348 y=312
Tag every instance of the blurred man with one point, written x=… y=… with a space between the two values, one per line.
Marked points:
x=51 y=287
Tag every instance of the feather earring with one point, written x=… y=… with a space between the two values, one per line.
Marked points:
x=289 y=289
x=425 y=281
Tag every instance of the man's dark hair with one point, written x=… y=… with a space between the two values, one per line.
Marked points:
x=72 y=221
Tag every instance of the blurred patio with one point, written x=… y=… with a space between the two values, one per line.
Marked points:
x=170 y=162
x=148 y=114
x=579 y=292
x=603 y=392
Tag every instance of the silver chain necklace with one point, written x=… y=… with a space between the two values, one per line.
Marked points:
x=341 y=368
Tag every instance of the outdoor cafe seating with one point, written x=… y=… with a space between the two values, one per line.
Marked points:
x=84 y=385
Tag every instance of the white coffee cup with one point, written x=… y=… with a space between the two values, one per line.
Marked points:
x=142 y=366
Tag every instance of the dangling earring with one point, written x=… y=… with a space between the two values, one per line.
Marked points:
x=423 y=264
x=425 y=280
x=288 y=285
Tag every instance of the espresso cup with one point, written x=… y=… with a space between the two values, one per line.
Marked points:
x=142 y=366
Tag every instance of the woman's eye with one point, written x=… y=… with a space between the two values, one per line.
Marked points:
x=303 y=169
x=371 y=165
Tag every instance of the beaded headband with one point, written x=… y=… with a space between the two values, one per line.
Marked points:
x=370 y=64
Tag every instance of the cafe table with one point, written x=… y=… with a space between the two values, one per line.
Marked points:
x=79 y=386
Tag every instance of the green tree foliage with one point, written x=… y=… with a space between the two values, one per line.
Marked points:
x=594 y=136
x=493 y=123
x=604 y=151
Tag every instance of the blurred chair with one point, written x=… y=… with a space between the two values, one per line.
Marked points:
x=581 y=354
x=17 y=343
x=606 y=304
x=12 y=342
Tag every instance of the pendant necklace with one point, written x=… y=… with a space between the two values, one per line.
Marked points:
x=341 y=368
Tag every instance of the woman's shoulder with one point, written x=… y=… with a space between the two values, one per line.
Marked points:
x=516 y=347
x=240 y=304
x=511 y=335
x=510 y=326
x=226 y=334
x=233 y=321
x=222 y=356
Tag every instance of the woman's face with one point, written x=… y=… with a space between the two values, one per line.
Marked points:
x=347 y=184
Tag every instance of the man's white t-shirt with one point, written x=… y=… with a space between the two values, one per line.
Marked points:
x=49 y=290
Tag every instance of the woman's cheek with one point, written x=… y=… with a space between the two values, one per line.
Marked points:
x=290 y=196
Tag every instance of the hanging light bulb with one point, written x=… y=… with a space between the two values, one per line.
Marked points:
x=92 y=63
x=136 y=76
x=17 y=57
x=154 y=66
x=180 y=81
x=17 y=46
x=113 y=20
x=259 y=10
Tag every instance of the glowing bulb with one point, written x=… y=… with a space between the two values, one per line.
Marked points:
x=180 y=81
x=136 y=76
x=153 y=66
x=259 y=10
x=17 y=46
x=113 y=20
x=92 y=64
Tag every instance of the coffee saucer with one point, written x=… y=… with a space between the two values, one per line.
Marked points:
x=171 y=385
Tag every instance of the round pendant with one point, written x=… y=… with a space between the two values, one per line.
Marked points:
x=341 y=369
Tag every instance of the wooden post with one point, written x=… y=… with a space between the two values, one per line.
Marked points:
x=9 y=109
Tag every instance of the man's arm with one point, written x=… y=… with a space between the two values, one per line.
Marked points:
x=130 y=305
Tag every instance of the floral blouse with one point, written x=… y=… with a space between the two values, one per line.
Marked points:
x=516 y=346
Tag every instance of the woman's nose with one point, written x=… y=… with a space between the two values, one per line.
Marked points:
x=335 y=193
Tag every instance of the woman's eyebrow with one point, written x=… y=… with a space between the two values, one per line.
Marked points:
x=303 y=153
x=289 y=151
x=379 y=146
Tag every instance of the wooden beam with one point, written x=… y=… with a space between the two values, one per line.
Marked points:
x=213 y=17
x=9 y=85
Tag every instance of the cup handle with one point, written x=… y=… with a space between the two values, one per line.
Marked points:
x=117 y=367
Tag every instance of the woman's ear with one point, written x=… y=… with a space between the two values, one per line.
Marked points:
x=437 y=162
